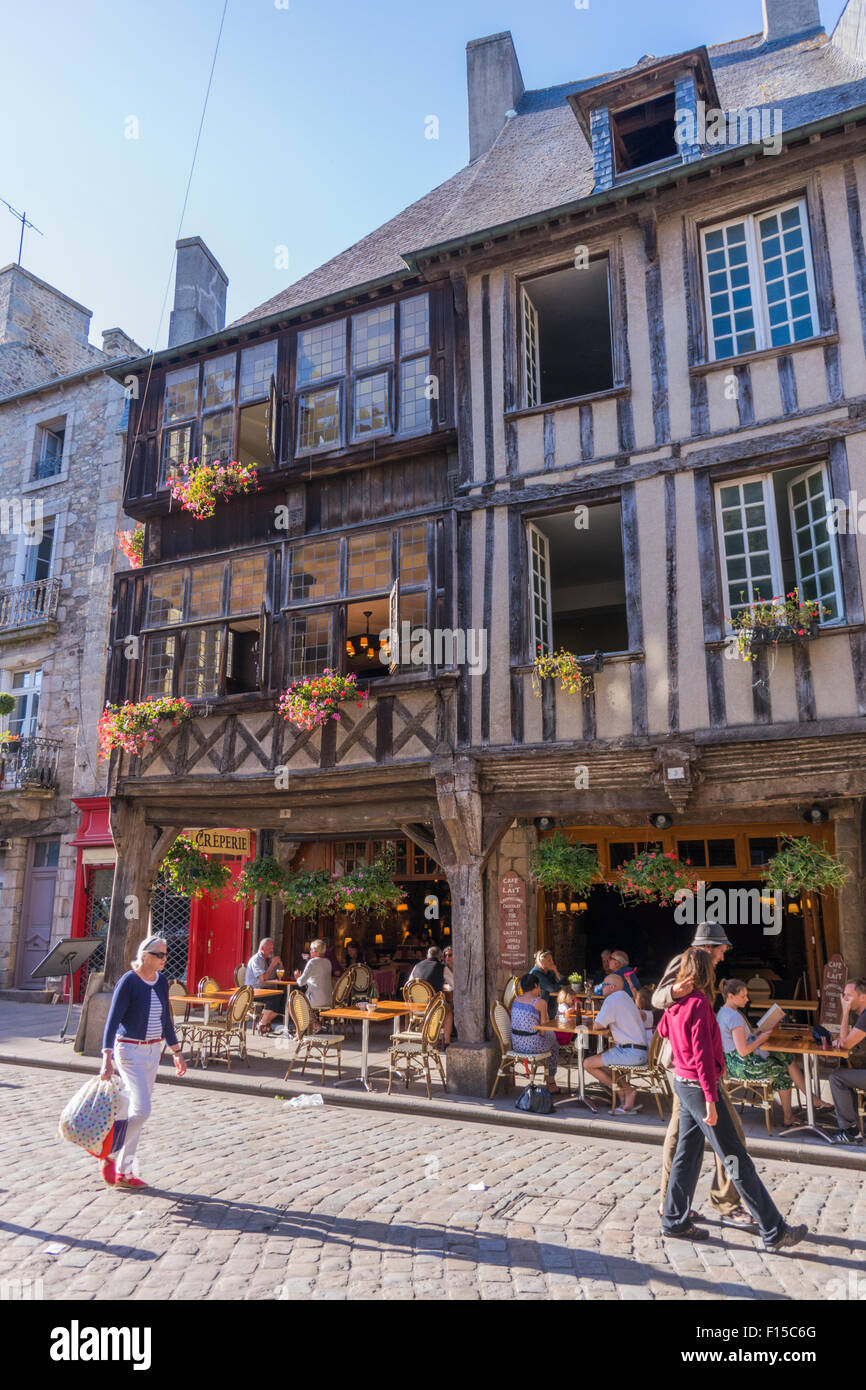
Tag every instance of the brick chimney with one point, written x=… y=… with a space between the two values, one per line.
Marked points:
x=495 y=87
x=783 y=19
x=200 y=285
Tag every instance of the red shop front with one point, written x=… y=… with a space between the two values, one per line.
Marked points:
x=205 y=937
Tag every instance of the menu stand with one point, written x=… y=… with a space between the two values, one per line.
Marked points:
x=67 y=958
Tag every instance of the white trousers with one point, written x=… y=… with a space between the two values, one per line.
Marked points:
x=137 y=1065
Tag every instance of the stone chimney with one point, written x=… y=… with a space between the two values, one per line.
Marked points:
x=116 y=343
x=783 y=19
x=200 y=285
x=495 y=87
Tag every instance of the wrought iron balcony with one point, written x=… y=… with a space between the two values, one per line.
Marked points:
x=29 y=764
x=25 y=605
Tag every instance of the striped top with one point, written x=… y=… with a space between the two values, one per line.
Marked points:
x=154 y=1017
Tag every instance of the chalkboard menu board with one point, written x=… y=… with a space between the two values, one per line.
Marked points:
x=512 y=922
x=833 y=983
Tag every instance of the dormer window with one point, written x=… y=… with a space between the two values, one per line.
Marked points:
x=644 y=134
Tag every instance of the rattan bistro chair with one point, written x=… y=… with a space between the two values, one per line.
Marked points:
x=509 y=993
x=646 y=1076
x=343 y=988
x=307 y=1042
x=415 y=1053
x=363 y=979
x=179 y=1011
x=417 y=992
x=240 y=975
x=509 y=1060
x=217 y=1038
x=762 y=1091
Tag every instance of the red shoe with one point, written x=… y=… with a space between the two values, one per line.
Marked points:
x=109 y=1172
x=129 y=1180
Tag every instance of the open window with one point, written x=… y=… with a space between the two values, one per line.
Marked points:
x=565 y=334
x=773 y=536
x=643 y=134
x=49 y=449
x=577 y=582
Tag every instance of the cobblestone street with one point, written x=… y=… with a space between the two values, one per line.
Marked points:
x=252 y=1200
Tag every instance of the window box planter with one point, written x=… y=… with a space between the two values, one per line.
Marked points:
x=786 y=620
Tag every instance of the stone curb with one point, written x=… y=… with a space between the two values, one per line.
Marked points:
x=444 y=1109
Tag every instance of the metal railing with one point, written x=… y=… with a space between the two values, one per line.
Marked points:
x=24 y=604
x=29 y=763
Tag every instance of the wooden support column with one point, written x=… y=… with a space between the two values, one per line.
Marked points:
x=464 y=842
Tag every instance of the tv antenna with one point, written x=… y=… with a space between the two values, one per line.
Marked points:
x=22 y=218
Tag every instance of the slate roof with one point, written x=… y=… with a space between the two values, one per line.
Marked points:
x=540 y=160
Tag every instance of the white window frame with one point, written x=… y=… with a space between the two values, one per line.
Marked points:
x=530 y=349
x=539 y=639
x=772 y=521
x=27 y=694
x=757 y=282
x=831 y=537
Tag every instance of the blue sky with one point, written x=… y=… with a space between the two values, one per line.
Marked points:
x=315 y=131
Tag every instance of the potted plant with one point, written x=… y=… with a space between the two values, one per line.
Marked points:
x=574 y=672
x=802 y=866
x=132 y=545
x=316 y=699
x=655 y=875
x=134 y=727
x=576 y=982
x=309 y=892
x=198 y=486
x=191 y=873
x=260 y=878
x=557 y=863
x=785 y=620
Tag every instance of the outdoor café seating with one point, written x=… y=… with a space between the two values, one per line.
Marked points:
x=510 y=1060
x=647 y=1076
x=417 y=992
x=363 y=979
x=306 y=1041
x=509 y=993
x=217 y=1037
x=415 y=1052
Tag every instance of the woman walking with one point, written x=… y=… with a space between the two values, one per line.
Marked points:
x=691 y=1027
x=139 y=1025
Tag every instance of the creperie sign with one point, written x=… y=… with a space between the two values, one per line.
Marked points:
x=221 y=841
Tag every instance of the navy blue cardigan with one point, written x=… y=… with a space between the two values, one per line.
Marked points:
x=130 y=1009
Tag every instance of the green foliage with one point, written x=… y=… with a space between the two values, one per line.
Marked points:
x=191 y=873
x=557 y=863
x=802 y=866
x=655 y=876
x=7 y=704
x=260 y=878
x=309 y=892
x=371 y=887
x=573 y=678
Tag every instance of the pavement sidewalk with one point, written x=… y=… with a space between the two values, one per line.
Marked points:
x=29 y=1036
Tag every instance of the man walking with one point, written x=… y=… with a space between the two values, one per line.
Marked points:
x=724 y=1198
x=847 y=1080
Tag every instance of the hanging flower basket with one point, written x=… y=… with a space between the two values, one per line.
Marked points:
x=804 y=867
x=132 y=545
x=574 y=672
x=260 y=878
x=190 y=873
x=371 y=888
x=199 y=486
x=313 y=701
x=309 y=892
x=782 y=620
x=655 y=876
x=557 y=863
x=134 y=728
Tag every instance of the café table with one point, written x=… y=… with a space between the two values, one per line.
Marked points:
x=808 y=1005
x=800 y=1041
x=366 y=1017
x=580 y=1032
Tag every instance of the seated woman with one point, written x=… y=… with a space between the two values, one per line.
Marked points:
x=352 y=954
x=745 y=1059
x=549 y=979
x=528 y=1010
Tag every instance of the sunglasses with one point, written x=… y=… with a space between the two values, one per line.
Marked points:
x=160 y=955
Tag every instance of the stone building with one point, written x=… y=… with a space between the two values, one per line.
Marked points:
x=601 y=391
x=62 y=423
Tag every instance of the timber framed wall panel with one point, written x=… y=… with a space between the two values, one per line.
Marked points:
x=841 y=248
x=479 y=532
x=613 y=700
x=650 y=507
x=810 y=377
x=739 y=677
x=693 y=704
x=677 y=330
x=477 y=316
x=723 y=392
x=833 y=675
x=634 y=271
x=766 y=391
x=783 y=688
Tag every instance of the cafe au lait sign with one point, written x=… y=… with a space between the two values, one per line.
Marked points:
x=221 y=841
x=512 y=922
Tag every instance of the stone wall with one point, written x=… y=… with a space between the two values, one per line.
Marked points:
x=43 y=333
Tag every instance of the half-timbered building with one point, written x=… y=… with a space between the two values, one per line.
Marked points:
x=599 y=392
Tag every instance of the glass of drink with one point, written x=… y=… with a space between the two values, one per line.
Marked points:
x=281 y=974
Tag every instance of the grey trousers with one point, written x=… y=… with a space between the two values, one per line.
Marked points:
x=724 y=1197
x=843 y=1083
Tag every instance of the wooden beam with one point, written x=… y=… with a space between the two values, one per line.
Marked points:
x=419 y=837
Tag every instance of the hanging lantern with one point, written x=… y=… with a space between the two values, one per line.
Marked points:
x=402 y=907
x=561 y=907
x=378 y=939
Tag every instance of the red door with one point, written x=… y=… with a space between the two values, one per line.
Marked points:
x=217 y=930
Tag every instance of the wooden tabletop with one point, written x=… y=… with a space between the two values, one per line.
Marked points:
x=801 y=1040
x=220 y=997
x=573 y=1027
x=810 y=1004
x=395 y=1007
x=374 y=1015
